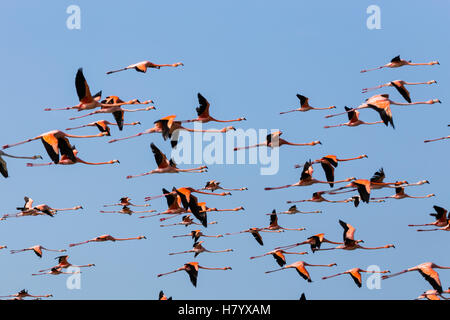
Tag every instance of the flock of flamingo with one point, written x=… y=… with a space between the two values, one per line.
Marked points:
x=183 y=203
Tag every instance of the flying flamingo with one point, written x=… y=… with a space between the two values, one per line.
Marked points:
x=162 y=296
x=279 y=256
x=87 y=101
x=192 y=190
x=300 y=267
x=293 y=210
x=196 y=234
x=441 y=218
x=330 y=162
x=353 y=120
x=198 y=248
x=125 y=201
x=274 y=224
x=166 y=166
x=66 y=160
x=396 y=62
x=203 y=112
x=37 y=250
x=400 y=194
x=3 y=247
x=306 y=178
x=349 y=241
x=127 y=210
x=381 y=103
x=63 y=263
x=314 y=241
x=214 y=185
x=273 y=140
x=255 y=232
x=55 y=272
x=362 y=185
x=192 y=270
x=117 y=112
x=103 y=126
x=400 y=86
x=444 y=228
x=355 y=273
x=443 y=138
x=190 y=202
x=202 y=209
x=4 y=168
x=24 y=294
x=169 y=128
x=426 y=269
x=173 y=204
x=317 y=197
x=29 y=210
x=186 y=221
x=56 y=142
x=106 y=237
x=433 y=295
x=143 y=65
x=304 y=105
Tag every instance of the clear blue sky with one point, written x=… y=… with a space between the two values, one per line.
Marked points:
x=249 y=59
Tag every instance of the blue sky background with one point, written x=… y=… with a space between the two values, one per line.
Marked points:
x=248 y=59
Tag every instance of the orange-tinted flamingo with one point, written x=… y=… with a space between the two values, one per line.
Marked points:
x=89 y=101
x=67 y=160
x=300 y=267
x=169 y=128
x=355 y=273
x=427 y=271
x=329 y=163
x=56 y=142
x=162 y=296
